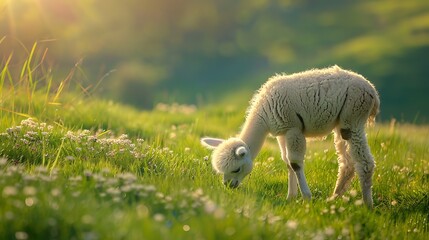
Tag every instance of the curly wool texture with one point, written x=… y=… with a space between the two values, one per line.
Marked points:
x=315 y=101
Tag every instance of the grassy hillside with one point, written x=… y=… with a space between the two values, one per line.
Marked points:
x=195 y=51
x=74 y=167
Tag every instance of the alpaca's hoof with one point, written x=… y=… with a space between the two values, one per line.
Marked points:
x=306 y=196
x=291 y=197
x=332 y=198
x=369 y=203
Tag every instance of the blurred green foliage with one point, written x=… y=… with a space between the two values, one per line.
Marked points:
x=142 y=51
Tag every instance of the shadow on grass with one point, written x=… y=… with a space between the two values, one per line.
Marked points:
x=417 y=202
x=407 y=208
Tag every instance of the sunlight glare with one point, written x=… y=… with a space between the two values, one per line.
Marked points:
x=12 y=25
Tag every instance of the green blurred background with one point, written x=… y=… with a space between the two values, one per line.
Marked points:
x=142 y=52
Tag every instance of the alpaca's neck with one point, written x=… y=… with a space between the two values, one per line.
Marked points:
x=253 y=134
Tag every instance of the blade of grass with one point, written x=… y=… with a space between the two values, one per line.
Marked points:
x=48 y=90
x=63 y=84
x=17 y=113
x=43 y=151
x=30 y=82
x=28 y=67
x=4 y=72
x=57 y=156
x=57 y=94
x=103 y=133
x=24 y=67
x=42 y=59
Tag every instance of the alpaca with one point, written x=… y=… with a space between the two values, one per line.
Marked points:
x=307 y=104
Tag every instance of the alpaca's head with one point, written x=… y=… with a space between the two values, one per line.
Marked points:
x=231 y=158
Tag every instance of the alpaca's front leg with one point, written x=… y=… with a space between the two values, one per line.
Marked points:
x=292 y=191
x=296 y=145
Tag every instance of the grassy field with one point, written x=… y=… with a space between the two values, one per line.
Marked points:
x=74 y=167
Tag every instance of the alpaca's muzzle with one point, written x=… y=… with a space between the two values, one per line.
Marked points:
x=232 y=183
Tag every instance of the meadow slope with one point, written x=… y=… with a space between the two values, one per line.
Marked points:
x=82 y=168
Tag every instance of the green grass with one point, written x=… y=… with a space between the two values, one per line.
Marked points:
x=85 y=168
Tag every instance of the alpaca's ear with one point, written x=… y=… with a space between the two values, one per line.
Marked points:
x=240 y=151
x=211 y=143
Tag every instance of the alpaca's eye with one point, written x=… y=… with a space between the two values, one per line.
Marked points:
x=236 y=170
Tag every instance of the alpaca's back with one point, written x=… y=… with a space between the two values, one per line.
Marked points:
x=312 y=100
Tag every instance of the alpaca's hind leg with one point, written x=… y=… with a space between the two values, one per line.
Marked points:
x=292 y=191
x=364 y=163
x=295 y=145
x=345 y=164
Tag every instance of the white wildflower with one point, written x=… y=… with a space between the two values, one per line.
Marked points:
x=9 y=191
x=21 y=235
x=358 y=202
x=30 y=201
x=186 y=228
x=329 y=231
x=3 y=161
x=292 y=224
x=158 y=217
x=29 y=191
x=55 y=192
x=113 y=191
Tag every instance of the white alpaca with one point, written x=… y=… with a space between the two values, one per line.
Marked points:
x=306 y=104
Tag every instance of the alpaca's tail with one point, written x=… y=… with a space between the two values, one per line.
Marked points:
x=374 y=111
